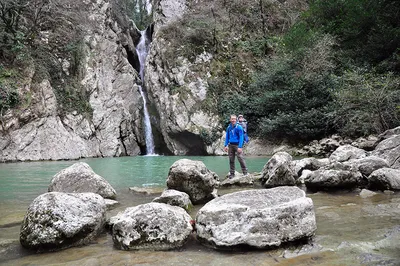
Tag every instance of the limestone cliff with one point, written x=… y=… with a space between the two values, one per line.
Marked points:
x=38 y=130
x=178 y=90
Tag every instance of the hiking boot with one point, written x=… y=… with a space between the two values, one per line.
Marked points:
x=245 y=174
x=231 y=176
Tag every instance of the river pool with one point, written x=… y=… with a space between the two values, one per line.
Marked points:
x=352 y=230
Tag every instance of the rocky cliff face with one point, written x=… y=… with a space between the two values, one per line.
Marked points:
x=38 y=131
x=178 y=91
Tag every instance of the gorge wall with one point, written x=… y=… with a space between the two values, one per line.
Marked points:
x=38 y=130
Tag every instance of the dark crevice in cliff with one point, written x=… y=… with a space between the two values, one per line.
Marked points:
x=132 y=58
x=122 y=138
x=142 y=148
x=191 y=141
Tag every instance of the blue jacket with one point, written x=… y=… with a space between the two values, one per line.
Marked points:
x=234 y=135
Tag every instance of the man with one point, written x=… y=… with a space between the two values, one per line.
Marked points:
x=233 y=145
x=243 y=123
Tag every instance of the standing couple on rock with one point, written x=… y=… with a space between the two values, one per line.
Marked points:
x=236 y=136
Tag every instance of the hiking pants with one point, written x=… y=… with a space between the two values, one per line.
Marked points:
x=232 y=151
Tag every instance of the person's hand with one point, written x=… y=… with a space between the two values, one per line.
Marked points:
x=240 y=150
x=226 y=148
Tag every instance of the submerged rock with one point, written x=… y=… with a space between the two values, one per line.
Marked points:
x=365 y=193
x=260 y=218
x=151 y=226
x=146 y=190
x=58 y=220
x=80 y=177
x=193 y=178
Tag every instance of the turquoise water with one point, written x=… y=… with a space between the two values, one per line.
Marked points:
x=26 y=180
x=350 y=230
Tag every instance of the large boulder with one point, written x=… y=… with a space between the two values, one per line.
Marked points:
x=193 y=178
x=260 y=218
x=278 y=171
x=347 y=152
x=331 y=179
x=389 y=149
x=367 y=144
x=151 y=226
x=175 y=198
x=367 y=165
x=310 y=163
x=58 y=220
x=321 y=148
x=385 y=178
x=80 y=177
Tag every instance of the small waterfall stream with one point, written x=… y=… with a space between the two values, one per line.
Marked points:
x=141 y=50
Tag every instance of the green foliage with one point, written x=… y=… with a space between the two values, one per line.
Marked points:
x=291 y=102
x=299 y=37
x=298 y=124
x=367 y=102
x=209 y=137
x=48 y=36
x=257 y=47
x=368 y=30
x=74 y=50
x=73 y=97
x=135 y=10
x=304 y=90
x=9 y=97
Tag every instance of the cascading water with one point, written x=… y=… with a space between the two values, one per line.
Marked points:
x=141 y=50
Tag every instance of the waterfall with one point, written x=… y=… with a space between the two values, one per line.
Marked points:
x=141 y=50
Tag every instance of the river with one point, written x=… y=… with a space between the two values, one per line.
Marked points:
x=352 y=230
